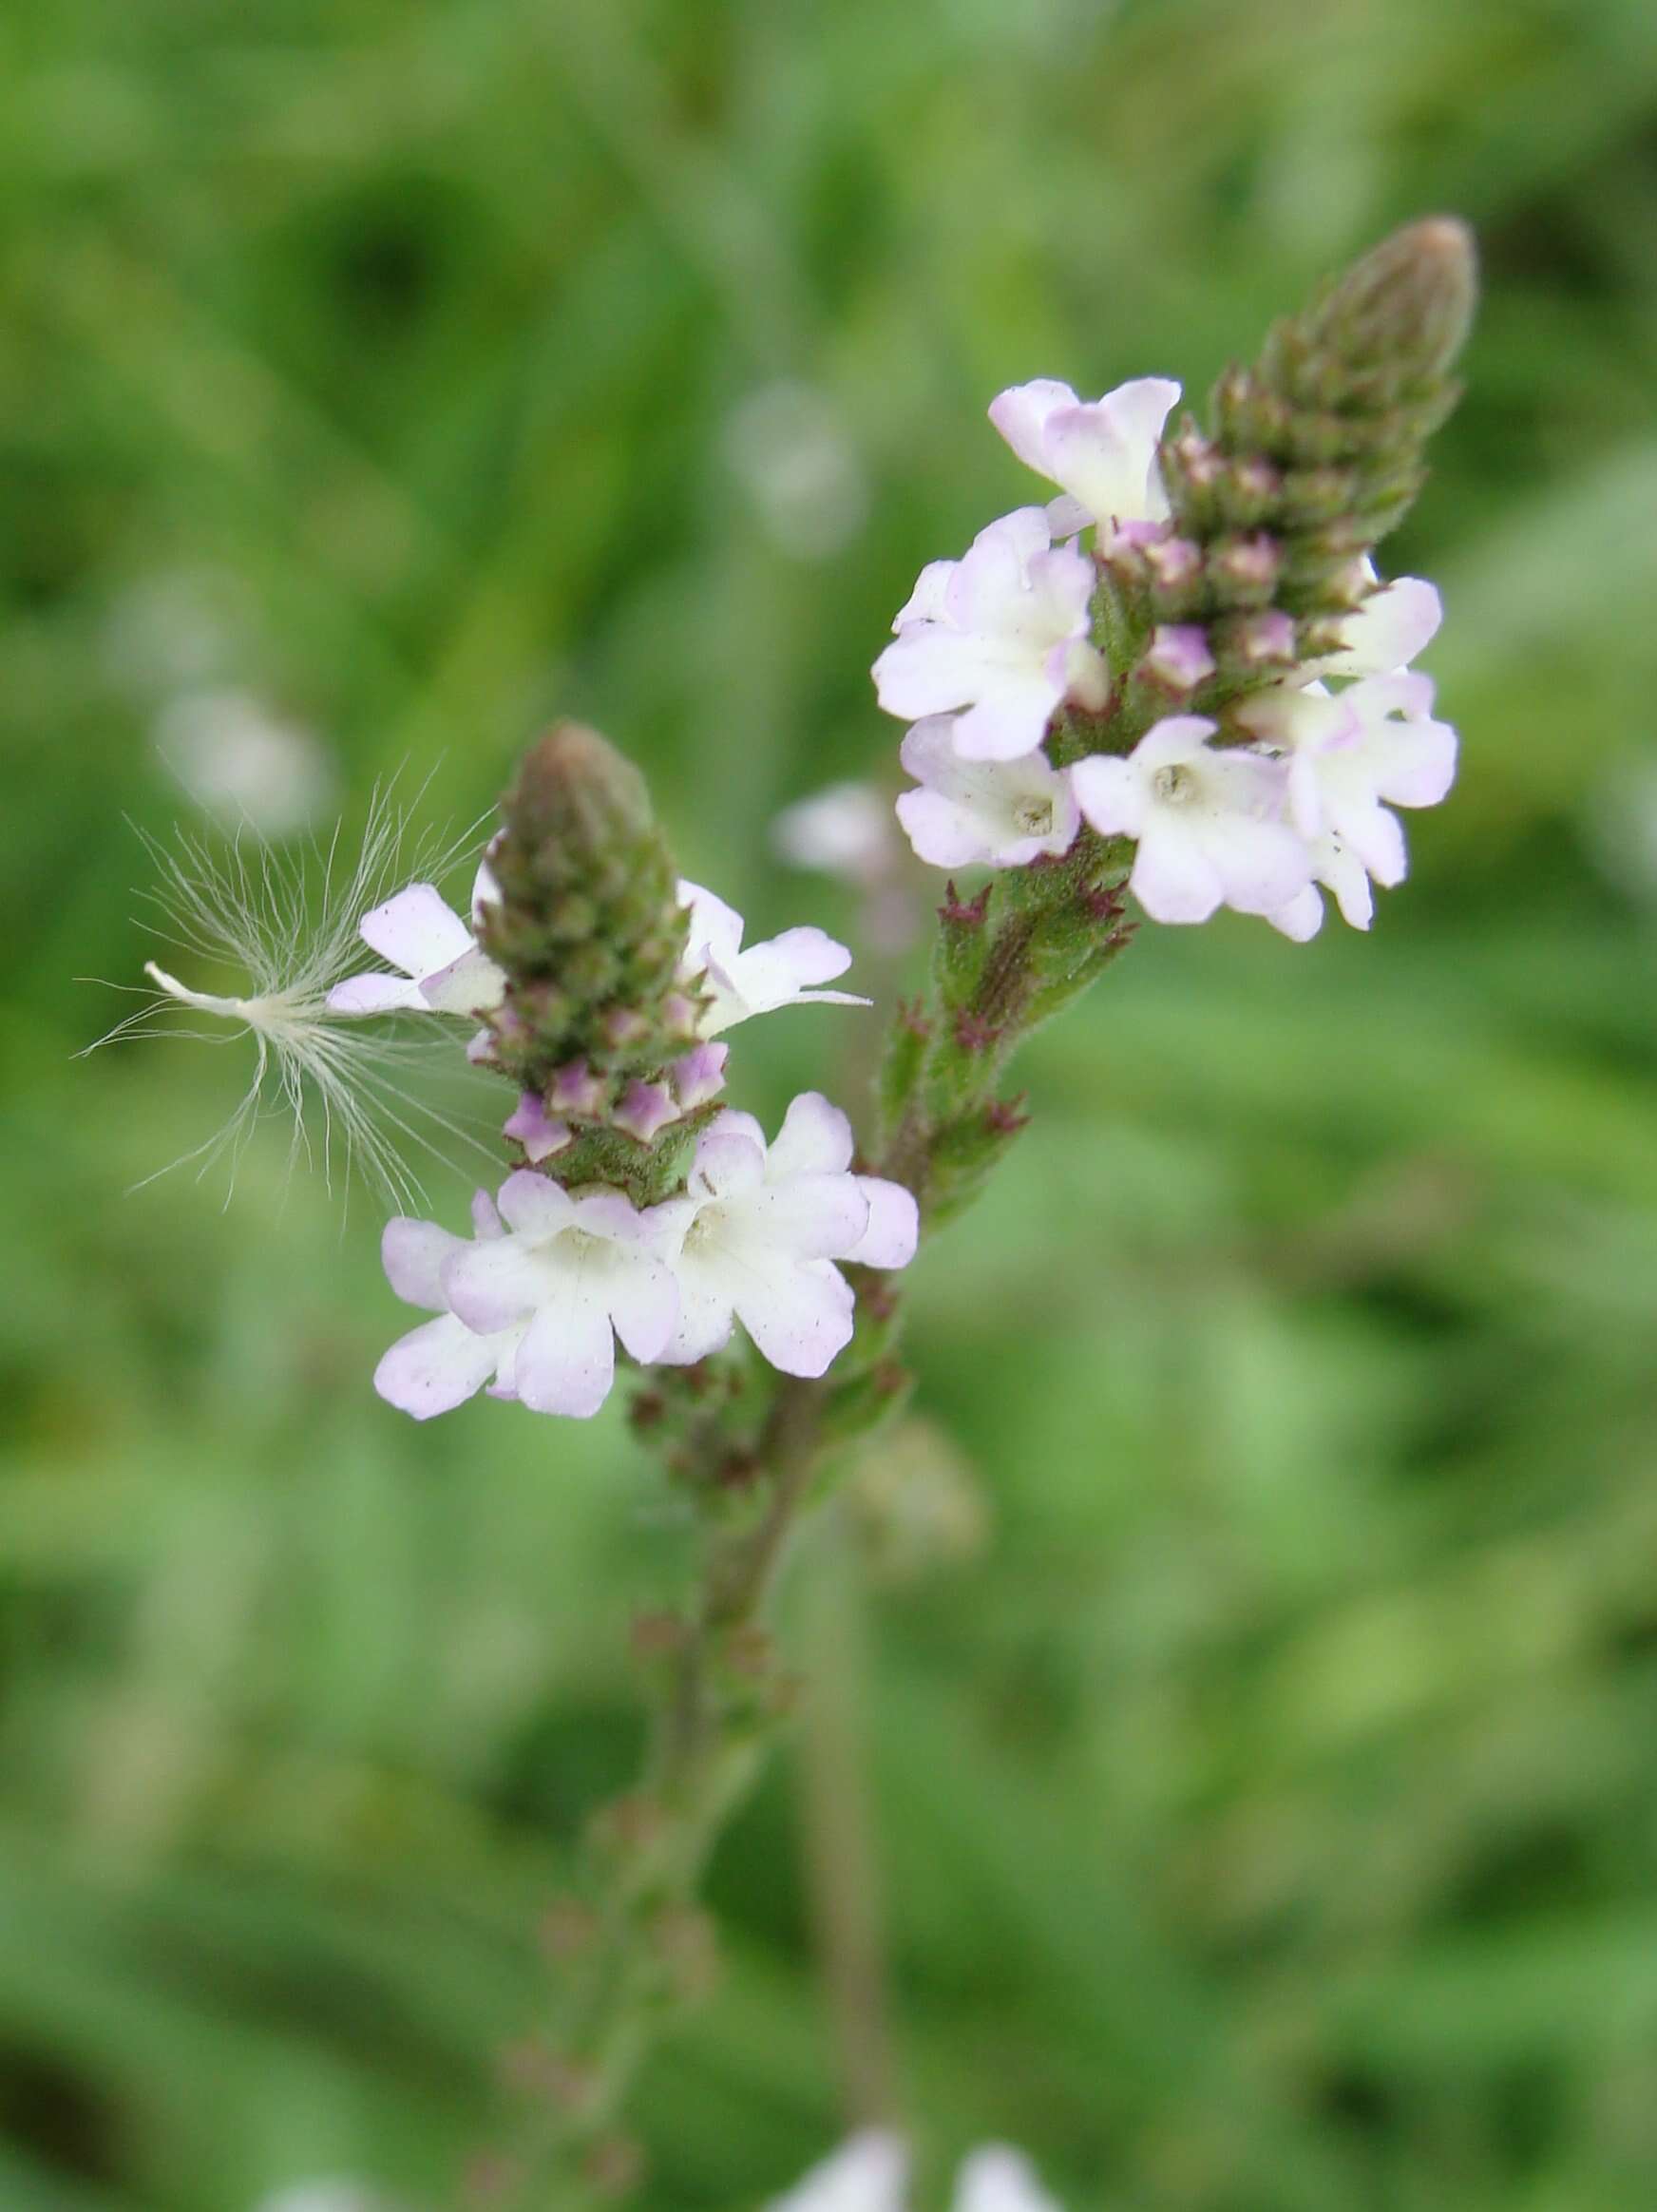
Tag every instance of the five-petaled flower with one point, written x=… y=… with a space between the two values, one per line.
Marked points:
x=1101 y=452
x=999 y=638
x=1354 y=753
x=997 y=813
x=550 y=1286
x=761 y=1227
x=777 y=972
x=444 y=969
x=1209 y=824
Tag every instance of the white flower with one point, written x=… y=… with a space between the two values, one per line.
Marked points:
x=443 y=1362
x=1211 y=825
x=844 y=829
x=870 y=2174
x=1393 y=625
x=1002 y=632
x=1101 y=452
x=444 y=970
x=998 y=812
x=1348 y=752
x=775 y=973
x=761 y=1229
x=572 y=1274
x=1340 y=871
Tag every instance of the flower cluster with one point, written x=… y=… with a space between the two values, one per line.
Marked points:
x=533 y=1304
x=1261 y=806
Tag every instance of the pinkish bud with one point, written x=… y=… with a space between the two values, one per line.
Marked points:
x=622 y=1026
x=699 y=1075
x=536 y=1130
x=645 y=1110
x=1174 y=562
x=1179 y=656
x=1268 y=636
x=1140 y=534
x=679 y=1013
x=1249 y=565
x=576 y=1090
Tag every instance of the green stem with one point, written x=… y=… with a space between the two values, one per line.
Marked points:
x=720 y=1698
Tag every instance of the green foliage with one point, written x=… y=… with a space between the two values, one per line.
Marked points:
x=1266 y=1809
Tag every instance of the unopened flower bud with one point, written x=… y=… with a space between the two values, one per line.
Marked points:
x=1179 y=659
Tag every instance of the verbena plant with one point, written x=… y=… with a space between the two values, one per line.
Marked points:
x=1180 y=684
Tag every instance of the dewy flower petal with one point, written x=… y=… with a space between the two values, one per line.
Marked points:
x=1209 y=826
x=761 y=1228
x=997 y=813
x=1102 y=452
x=779 y=971
x=999 y=637
x=443 y=970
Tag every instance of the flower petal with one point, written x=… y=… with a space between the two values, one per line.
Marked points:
x=533 y=1205
x=1173 y=879
x=1021 y=414
x=495 y=1283
x=815 y=1139
x=566 y=1362
x=894 y=1225
x=1109 y=795
x=471 y=984
x=436 y=1367
x=412 y=1252
x=417 y=931
x=1389 y=629
x=644 y=1306
x=809 y=1217
x=799 y=1317
x=375 y=994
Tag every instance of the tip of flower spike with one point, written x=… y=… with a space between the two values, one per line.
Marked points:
x=571 y=775
x=1410 y=299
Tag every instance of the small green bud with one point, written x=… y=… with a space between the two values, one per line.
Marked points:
x=1316 y=449
x=588 y=927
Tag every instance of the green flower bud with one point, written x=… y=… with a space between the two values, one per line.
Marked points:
x=588 y=928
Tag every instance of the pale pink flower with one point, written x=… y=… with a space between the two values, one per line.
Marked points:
x=1000 y=636
x=777 y=972
x=443 y=970
x=1351 y=755
x=1210 y=825
x=1101 y=453
x=1337 y=870
x=440 y=1364
x=761 y=1228
x=997 y=813
x=571 y=1275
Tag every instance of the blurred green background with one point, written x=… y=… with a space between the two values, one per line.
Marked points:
x=1256 y=1682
